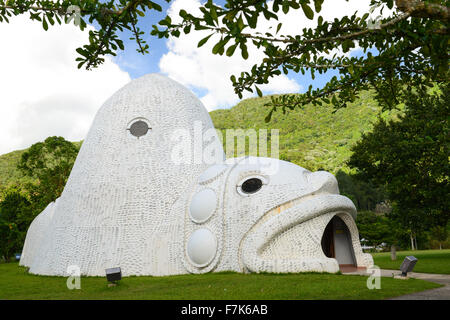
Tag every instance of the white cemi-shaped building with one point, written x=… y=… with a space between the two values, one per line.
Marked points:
x=151 y=192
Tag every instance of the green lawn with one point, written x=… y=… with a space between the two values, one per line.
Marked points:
x=429 y=261
x=16 y=283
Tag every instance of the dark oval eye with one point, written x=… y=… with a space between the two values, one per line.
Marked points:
x=139 y=128
x=251 y=185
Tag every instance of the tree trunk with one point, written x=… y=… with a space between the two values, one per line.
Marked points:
x=393 y=253
x=415 y=243
x=412 y=241
x=422 y=9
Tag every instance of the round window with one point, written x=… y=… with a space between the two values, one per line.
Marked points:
x=251 y=185
x=139 y=128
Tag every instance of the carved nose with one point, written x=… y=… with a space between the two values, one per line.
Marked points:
x=324 y=182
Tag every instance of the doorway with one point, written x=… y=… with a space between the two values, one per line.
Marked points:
x=337 y=243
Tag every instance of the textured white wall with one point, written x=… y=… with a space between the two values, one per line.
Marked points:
x=128 y=204
x=116 y=207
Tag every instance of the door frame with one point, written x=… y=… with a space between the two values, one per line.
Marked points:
x=330 y=232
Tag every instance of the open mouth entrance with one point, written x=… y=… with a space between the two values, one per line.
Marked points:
x=337 y=244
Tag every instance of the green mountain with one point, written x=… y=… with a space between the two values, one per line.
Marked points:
x=9 y=174
x=8 y=169
x=314 y=137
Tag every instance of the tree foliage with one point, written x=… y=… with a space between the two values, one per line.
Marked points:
x=364 y=194
x=15 y=217
x=440 y=234
x=409 y=47
x=410 y=157
x=49 y=163
x=376 y=229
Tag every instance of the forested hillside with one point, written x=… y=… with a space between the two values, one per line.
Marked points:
x=9 y=174
x=314 y=137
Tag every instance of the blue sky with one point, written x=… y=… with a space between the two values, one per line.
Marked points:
x=137 y=64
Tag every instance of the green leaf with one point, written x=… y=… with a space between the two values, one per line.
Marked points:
x=50 y=19
x=334 y=101
x=82 y=52
x=218 y=48
x=269 y=116
x=294 y=5
x=240 y=23
x=320 y=21
x=203 y=41
x=213 y=13
x=156 y=6
x=120 y=44
x=347 y=44
x=252 y=20
x=318 y=5
x=244 y=51
x=44 y=24
x=279 y=27
x=182 y=13
x=308 y=11
x=230 y=50
x=350 y=69
x=258 y=91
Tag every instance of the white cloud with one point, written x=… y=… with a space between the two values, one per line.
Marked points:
x=42 y=91
x=198 y=68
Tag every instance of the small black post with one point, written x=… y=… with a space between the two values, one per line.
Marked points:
x=408 y=265
x=113 y=275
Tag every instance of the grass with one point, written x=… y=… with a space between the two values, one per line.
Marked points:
x=17 y=283
x=429 y=261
